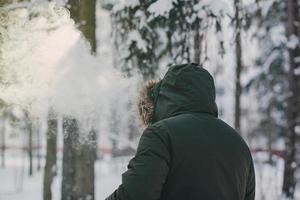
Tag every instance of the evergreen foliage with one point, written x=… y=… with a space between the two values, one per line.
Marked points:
x=150 y=33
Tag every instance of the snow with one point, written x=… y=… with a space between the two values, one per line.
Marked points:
x=161 y=7
x=297 y=130
x=266 y=6
x=108 y=177
x=297 y=59
x=48 y=65
x=52 y=68
x=134 y=36
x=17 y=5
x=268 y=178
x=216 y=7
x=120 y=4
x=292 y=42
x=277 y=34
x=18 y=185
x=297 y=71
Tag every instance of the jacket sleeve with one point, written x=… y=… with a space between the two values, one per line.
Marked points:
x=250 y=190
x=148 y=170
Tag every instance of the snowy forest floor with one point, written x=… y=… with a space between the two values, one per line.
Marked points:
x=16 y=184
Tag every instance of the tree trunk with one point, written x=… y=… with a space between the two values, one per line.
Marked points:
x=239 y=66
x=84 y=15
x=51 y=152
x=70 y=131
x=38 y=144
x=3 y=143
x=78 y=163
x=269 y=129
x=2 y=105
x=30 y=147
x=85 y=169
x=79 y=157
x=197 y=41
x=289 y=181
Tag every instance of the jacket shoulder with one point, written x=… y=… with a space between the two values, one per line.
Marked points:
x=204 y=126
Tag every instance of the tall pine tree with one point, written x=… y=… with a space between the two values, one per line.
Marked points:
x=292 y=108
x=151 y=33
x=277 y=83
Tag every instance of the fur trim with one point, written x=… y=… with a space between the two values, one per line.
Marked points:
x=145 y=105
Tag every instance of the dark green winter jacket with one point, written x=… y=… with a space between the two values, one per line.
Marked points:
x=188 y=153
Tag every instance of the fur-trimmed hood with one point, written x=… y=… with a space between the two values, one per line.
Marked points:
x=145 y=103
x=185 y=88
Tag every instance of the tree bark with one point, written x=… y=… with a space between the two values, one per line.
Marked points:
x=78 y=163
x=70 y=130
x=239 y=66
x=85 y=169
x=197 y=41
x=3 y=143
x=3 y=107
x=84 y=15
x=51 y=152
x=289 y=181
x=30 y=147
x=79 y=157
x=38 y=144
x=269 y=129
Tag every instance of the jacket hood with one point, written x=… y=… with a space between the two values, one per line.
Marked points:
x=185 y=88
x=145 y=103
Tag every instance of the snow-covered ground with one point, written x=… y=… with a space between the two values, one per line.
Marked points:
x=15 y=183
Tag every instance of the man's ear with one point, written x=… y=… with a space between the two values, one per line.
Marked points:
x=145 y=104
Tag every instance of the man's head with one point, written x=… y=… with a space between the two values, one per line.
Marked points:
x=185 y=88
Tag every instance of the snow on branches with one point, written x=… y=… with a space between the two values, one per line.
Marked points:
x=164 y=32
